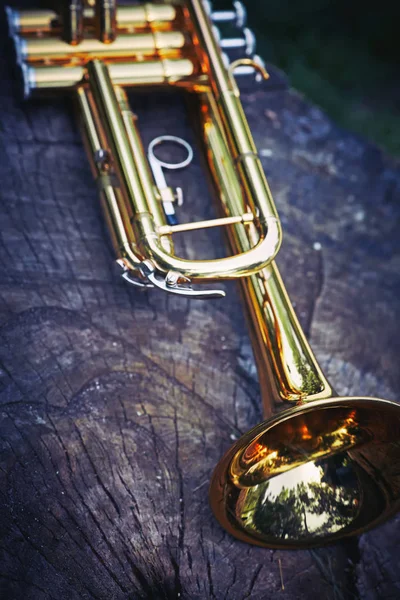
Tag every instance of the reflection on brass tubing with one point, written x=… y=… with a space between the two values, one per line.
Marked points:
x=142 y=167
x=112 y=200
x=45 y=21
x=321 y=470
x=262 y=461
x=238 y=132
x=128 y=155
x=164 y=71
x=141 y=44
x=131 y=162
x=292 y=370
x=106 y=99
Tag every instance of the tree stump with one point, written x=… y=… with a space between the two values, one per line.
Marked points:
x=116 y=405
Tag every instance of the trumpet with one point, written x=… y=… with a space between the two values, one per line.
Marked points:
x=142 y=218
x=320 y=467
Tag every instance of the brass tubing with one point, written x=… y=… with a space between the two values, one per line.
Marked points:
x=139 y=45
x=142 y=167
x=157 y=72
x=235 y=122
x=287 y=367
x=292 y=370
x=131 y=161
x=112 y=200
x=106 y=101
x=324 y=469
x=127 y=17
x=223 y=222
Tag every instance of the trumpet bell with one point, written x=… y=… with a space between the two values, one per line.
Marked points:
x=312 y=474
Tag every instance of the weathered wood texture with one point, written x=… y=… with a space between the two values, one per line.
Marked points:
x=116 y=405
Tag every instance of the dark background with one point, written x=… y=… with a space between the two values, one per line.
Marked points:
x=342 y=54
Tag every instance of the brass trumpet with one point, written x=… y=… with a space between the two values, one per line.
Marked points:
x=142 y=217
x=322 y=469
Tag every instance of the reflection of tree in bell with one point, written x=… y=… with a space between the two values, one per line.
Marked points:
x=338 y=471
x=321 y=498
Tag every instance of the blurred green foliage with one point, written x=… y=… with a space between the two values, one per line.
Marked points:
x=343 y=54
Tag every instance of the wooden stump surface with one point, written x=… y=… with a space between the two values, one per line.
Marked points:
x=116 y=405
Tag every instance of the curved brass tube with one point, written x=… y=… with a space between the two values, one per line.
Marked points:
x=133 y=169
x=327 y=467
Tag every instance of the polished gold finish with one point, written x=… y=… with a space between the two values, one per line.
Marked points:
x=196 y=72
x=140 y=45
x=168 y=72
x=241 y=144
x=128 y=18
x=215 y=76
x=269 y=234
x=113 y=203
x=168 y=229
x=327 y=467
x=324 y=468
